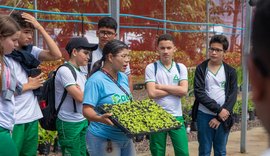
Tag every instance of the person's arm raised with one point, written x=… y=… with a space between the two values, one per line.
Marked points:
x=53 y=53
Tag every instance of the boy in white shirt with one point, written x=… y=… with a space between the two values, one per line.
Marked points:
x=27 y=110
x=215 y=90
x=71 y=124
x=106 y=32
x=166 y=85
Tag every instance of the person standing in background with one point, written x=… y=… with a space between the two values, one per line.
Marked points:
x=106 y=32
x=215 y=89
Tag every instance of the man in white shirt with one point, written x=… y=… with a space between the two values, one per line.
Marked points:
x=259 y=64
x=106 y=32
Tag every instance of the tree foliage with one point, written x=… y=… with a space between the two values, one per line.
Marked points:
x=193 y=43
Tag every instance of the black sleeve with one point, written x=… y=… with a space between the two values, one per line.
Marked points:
x=200 y=94
x=232 y=92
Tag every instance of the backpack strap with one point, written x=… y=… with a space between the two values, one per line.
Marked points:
x=61 y=102
x=178 y=68
x=75 y=77
x=89 y=64
x=155 y=67
x=65 y=91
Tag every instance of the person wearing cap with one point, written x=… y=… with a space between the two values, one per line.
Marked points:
x=71 y=125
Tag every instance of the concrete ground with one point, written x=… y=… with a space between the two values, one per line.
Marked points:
x=257 y=142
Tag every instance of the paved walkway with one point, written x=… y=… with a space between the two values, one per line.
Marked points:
x=257 y=142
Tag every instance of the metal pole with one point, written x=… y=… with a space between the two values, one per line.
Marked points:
x=165 y=16
x=114 y=10
x=82 y=25
x=110 y=6
x=207 y=27
x=35 y=32
x=247 y=35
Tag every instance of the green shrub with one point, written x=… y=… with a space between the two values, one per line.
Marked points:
x=187 y=103
x=250 y=105
x=239 y=72
x=237 y=109
x=45 y=137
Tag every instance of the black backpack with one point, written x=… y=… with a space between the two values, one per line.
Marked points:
x=48 y=122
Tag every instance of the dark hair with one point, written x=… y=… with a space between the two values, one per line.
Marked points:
x=165 y=37
x=220 y=39
x=17 y=16
x=260 y=37
x=112 y=47
x=8 y=27
x=107 y=22
x=77 y=49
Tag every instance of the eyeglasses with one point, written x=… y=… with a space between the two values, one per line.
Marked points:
x=125 y=56
x=211 y=50
x=107 y=33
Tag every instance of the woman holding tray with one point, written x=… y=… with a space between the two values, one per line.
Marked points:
x=107 y=85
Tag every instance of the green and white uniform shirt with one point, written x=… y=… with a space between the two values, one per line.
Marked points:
x=214 y=88
x=171 y=103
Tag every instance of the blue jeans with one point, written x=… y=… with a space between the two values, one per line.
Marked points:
x=208 y=136
x=97 y=146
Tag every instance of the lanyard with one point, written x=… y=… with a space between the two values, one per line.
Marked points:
x=106 y=73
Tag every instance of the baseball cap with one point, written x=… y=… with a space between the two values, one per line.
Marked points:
x=80 y=42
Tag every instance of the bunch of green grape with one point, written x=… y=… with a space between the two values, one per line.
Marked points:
x=142 y=116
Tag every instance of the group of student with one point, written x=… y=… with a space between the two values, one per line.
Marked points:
x=106 y=79
x=107 y=66
x=19 y=107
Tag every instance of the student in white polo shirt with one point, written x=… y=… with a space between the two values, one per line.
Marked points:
x=106 y=32
x=215 y=89
x=71 y=124
x=23 y=60
x=166 y=82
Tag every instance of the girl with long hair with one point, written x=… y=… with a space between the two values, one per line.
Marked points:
x=9 y=35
